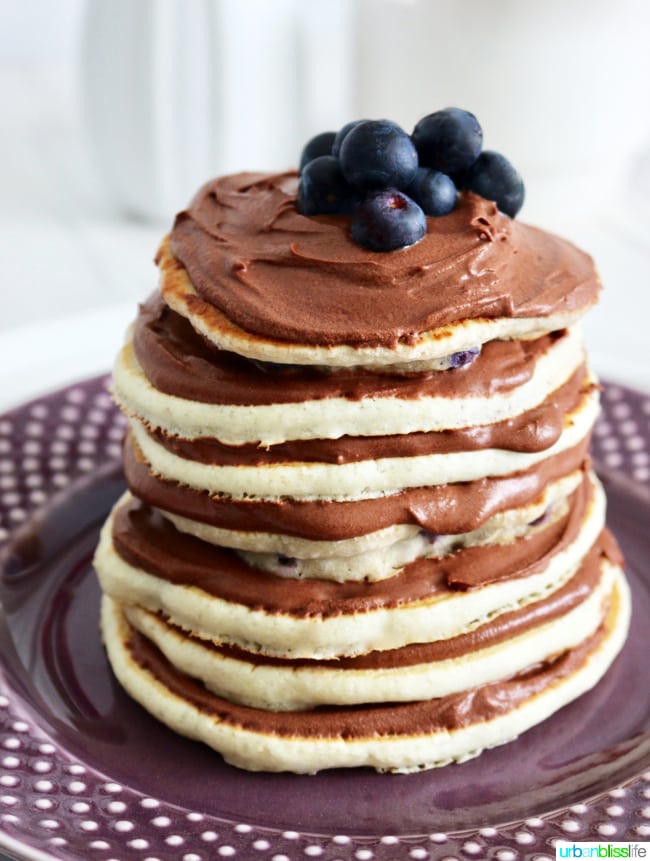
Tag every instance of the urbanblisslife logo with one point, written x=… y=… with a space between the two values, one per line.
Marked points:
x=565 y=849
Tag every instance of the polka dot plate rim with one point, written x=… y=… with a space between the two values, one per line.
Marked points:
x=63 y=799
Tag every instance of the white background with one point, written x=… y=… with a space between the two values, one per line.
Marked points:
x=89 y=179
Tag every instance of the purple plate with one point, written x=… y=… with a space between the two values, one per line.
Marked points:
x=85 y=773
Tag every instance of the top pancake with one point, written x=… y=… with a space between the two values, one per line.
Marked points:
x=256 y=277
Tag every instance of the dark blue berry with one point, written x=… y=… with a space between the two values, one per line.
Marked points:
x=492 y=176
x=434 y=191
x=287 y=561
x=341 y=133
x=319 y=145
x=448 y=140
x=322 y=189
x=463 y=357
x=378 y=154
x=539 y=520
x=387 y=219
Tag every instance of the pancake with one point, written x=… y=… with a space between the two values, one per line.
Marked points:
x=362 y=528
x=394 y=737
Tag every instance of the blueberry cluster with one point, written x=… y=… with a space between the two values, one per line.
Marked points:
x=389 y=181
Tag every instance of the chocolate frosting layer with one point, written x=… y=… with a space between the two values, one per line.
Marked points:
x=444 y=509
x=358 y=722
x=535 y=430
x=498 y=630
x=284 y=276
x=178 y=361
x=146 y=540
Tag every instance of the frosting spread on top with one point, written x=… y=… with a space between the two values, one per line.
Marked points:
x=285 y=276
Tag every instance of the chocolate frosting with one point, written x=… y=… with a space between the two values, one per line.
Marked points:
x=146 y=540
x=178 y=361
x=443 y=509
x=386 y=719
x=535 y=430
x=285 y=276
x=499 y=629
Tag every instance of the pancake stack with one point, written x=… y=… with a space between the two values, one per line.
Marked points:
x=361 y=526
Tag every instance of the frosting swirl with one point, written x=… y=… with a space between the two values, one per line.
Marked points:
x=284 y=276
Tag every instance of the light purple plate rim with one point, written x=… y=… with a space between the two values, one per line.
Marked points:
x=79 y=813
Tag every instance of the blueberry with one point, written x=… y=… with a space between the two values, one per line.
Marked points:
x=378 y=154
x=387 y=219
x=319 y=145
x=492 y=176
x=463 y=357
x=541 y=519
x=338 y=139
x=322 y=189
x=434 y=191
x=448 y=140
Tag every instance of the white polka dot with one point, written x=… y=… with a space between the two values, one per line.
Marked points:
x=9 y=780
x=313 y=851
x=116 y=807
x=113 y=788
x=614 y=459
x=99 y=844
x=89 y=825
x=419 y=854
x=11 y=743
x=42 y=766
x=80 y=807
x=149 y=802
x=634 y=443
x=642 y=473
x=43 y=804
x=195 y=817
x=506 y=855
x=645 y=812
x=615 y=810
x=487 y=832
x=261 y=845
x=364 y=854
x=209 y=836
x=10 y=761
x=387 y=839
x=290 y=835
x=161 y=821
x=535 y=822
x=50 y=823
x=570 y=825
x=191 y=857
x=57 y=841
x=76 y=786
x=44 y=786
x=606 y=829
x=438 y=837
x=609 y=444
x=34 y=429
x=524 y=837
x=226 y=851
x=472 y=847
x=124 y=825
x=174 y=840
x=243 y=828
x=138 y=843
x=75 y=768
x=75 y=396
x=9 y=817
x=643 y=830
x=8 y=800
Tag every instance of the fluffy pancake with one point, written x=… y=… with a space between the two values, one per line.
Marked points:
x=396 y=737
